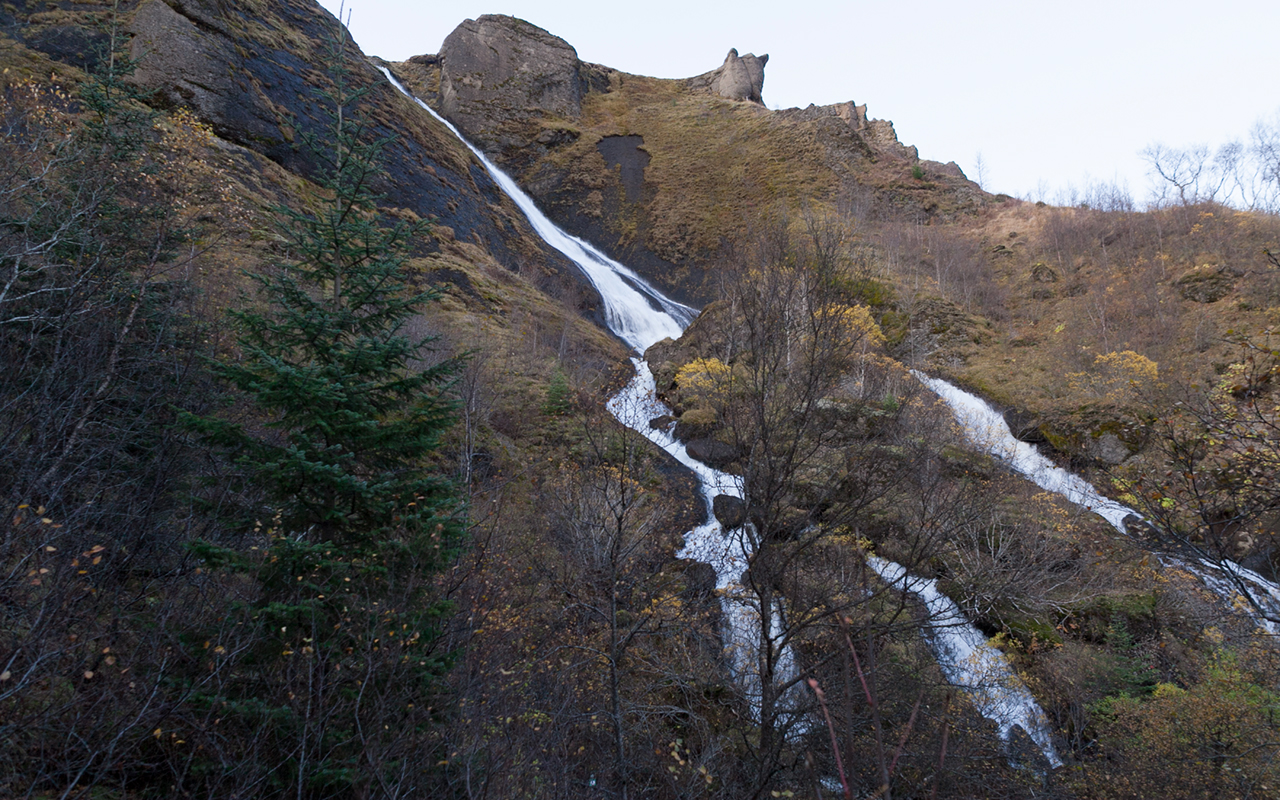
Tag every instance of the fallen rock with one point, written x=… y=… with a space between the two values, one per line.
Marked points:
x=730 y=511
x=1108 y=449
x=711 y=452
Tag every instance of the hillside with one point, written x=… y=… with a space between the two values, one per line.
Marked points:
x=661 y=172
x=163 y=606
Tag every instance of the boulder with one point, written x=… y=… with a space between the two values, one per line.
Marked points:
x=696 y=423
x=711 y=452
x=1108 y=449
x=730 y=511
x=496 y=68
x=738 y=78
x=699 y=581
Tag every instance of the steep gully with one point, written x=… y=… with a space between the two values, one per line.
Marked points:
x=640 y=315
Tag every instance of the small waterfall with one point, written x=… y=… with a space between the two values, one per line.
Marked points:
x=969 y=662
x=641 y=315
x=987 y=430
x=727 y=552
x=635 y=311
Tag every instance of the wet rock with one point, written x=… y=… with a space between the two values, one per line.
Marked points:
x=699 y=581
x=662 y=422
x=1025 y=753
x=711 y=452
x=625 y=154
x=1024 y=426
x=730 y=511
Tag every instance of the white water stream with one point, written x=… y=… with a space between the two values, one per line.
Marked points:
x=641 y=316
x=986 y=428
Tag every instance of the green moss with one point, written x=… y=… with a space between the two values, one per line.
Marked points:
x=1031 y=633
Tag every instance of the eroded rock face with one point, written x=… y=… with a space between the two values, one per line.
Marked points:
x=256 y=73
x=496 y=67
x=188 y=66
x=711 y=452
x=738 y=78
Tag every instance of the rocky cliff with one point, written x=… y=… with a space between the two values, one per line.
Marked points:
x=738 y=78
x=661 y=172
x=255 y=72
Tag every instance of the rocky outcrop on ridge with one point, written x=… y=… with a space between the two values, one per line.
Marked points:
x=738 y=78
x=701 y=154
x=497 y=66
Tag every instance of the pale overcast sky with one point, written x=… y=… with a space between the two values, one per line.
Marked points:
x=1049 y=94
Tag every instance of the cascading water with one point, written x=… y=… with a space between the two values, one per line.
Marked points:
x=969 y=662
x=726 y=552
x=641 y=316
x=986 y=428
x=636 y=312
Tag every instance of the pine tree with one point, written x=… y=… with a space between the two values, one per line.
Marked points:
x=342 y=658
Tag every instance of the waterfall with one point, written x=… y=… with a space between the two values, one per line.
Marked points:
x=641 y=315
x=969 y=662
x=987 y=430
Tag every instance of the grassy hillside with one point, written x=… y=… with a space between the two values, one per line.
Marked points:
x=586 y=656
x=712 y=166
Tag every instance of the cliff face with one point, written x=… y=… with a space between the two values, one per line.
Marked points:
x=662 y=172
x=255 y=73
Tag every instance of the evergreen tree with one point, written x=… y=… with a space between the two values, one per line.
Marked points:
x=339 y=655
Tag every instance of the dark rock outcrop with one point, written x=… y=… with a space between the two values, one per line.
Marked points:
x=1024 y=426
x=730 y=511
x=626 y=154
x=256 y=75
x=711 y=452
x=190 y=62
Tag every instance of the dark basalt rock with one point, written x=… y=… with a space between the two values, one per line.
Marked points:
x=1024 y=426
x=699 y=581
x=265 y=93
x=711 y=452
x=624 y=154
x=71 y=44
x=729 y=511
